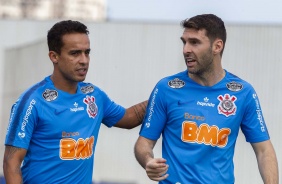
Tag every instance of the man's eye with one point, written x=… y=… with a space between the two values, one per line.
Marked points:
x=193 y=42
x=74 y=53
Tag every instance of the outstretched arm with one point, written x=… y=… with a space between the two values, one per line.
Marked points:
x=12 y=161
x=133 y=116
x=267 y=162
x=156 y=168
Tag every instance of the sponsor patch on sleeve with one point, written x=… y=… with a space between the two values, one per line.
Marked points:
x=176 y=83
x=50 y=95
x=234 y=86
x=87 y=89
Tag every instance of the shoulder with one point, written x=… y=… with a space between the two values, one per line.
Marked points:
x=86 y=87
x=236 y=83
x=31 y=96
x=35 y=90
x=89 y=88
x=173 y=81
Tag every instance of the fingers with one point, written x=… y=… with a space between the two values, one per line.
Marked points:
x=156 y=169
x=158 y=178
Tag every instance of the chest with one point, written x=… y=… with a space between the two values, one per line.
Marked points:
x=220 y=108
x=73 y=116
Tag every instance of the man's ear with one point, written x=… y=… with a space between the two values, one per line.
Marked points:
x=217 y=46
x=53 y=56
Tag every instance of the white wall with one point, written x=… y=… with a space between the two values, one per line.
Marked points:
x=254 y=54
x=126 y=61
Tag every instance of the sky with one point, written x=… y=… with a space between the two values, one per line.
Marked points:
x=231 y=11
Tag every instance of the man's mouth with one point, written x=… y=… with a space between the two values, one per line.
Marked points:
x=189 y=60
x=82 y=71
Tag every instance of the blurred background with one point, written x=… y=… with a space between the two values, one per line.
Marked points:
x=134 y=44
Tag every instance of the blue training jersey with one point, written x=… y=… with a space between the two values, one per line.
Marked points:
x=60 y=131
x=200 y=124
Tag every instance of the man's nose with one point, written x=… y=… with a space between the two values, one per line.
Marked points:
x=187 y=48
x=84 y=58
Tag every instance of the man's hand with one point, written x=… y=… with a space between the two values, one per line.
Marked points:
x=156 y=169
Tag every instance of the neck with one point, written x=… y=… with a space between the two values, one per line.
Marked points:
x=208 y=78
x=64 y=85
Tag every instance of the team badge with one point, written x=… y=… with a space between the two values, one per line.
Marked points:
x=234 y=86
x=92 y=108
x=226 y=105
x=50 y=95
x=87 y=89
x=176 y=83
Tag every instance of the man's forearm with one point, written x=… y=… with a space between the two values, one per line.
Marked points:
x=12 y=165
x=267 y=162
x=143 y=151
x=268 y=167
x=12 y=174
x=143 y=156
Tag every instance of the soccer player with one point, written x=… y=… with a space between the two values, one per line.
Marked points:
x=199 y=112
x=54 y=124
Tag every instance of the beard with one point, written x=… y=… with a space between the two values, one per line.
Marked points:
x=204 y=64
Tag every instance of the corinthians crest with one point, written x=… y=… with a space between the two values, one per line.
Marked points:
x=92 y=109
x=226 y=105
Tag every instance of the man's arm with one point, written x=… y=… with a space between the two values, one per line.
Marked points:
x=156 y=168
x=12 y=161
x=133 y=116
x=267 y=162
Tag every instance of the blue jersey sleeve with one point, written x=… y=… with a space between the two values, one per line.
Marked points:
x=112 y=111
x=253 y=125
x=22 y=122
x=155 y=118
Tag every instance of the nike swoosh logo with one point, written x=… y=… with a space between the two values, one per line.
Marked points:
x=180 y=102
x=59 y=111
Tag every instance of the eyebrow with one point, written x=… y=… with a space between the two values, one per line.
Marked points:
x=79 y=50
x=190 y=39
x=194 y=39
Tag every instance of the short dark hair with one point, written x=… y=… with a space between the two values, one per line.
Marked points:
x=213 y=25
x=55 y=34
